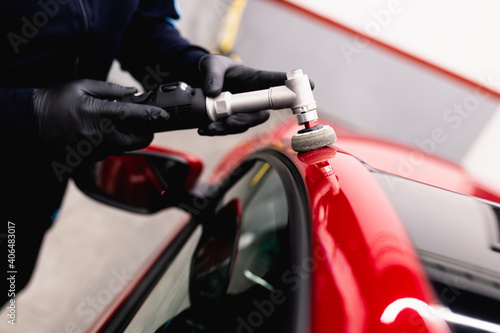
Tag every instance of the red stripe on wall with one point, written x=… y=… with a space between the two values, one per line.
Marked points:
x=337 y=25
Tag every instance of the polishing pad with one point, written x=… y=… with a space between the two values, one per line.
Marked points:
x=313 y=138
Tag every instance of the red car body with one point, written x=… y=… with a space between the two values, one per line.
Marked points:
x=364 y=260
x=363 y=263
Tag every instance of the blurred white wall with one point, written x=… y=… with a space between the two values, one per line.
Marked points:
x=459 y=35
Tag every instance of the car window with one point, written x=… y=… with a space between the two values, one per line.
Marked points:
x=457 y=239
x=264 y=219
x=170 y=295
x=255 y=297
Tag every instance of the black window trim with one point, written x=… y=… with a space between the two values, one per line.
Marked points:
x=300 y=237
x=300 y=233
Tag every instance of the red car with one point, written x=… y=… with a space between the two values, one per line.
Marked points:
x=348 y=238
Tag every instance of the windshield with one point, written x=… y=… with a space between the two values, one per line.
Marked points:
x=457 y=238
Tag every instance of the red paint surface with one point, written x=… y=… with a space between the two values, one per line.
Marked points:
x=365 y=260
x=196 y=168
x=129 y=178
x=308 y=124
x=380 y=154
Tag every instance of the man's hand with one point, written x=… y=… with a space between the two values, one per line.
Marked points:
x=69 y=113
x=221 y=73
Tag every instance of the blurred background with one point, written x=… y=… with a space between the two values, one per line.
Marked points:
x=397 y=69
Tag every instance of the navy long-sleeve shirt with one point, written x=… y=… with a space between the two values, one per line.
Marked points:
x=44 y=42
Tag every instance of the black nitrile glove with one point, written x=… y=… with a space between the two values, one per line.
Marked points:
x=221 y=73
x=82 y=115
x=236 y=123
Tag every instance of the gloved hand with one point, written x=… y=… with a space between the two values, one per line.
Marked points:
x=221 y=73
x=84 y=110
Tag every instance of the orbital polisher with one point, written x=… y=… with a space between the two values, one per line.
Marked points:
x=190 y=108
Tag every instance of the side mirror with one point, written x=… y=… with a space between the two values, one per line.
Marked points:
x=143 y=181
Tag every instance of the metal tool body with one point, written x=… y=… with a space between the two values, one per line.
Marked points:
x=190 y=108
x=295 y=94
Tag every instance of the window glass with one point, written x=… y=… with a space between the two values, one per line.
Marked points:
x=256 y=296
x=170 y=295
x=456 y=238
x=264 y=219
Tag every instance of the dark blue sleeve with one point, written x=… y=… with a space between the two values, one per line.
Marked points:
x=152 y=49
x=16 y=115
